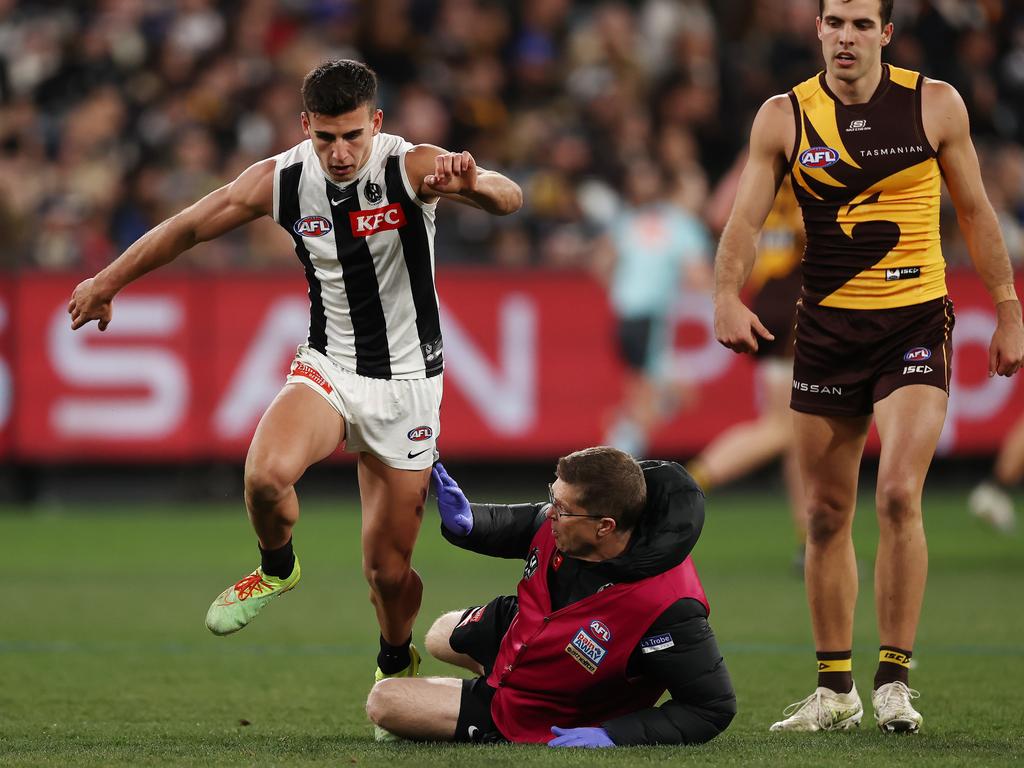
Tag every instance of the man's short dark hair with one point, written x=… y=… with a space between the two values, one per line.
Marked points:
x=610 y=483
x=885 y=11
x=339 y=86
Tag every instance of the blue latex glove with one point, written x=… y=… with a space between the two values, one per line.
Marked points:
x=580 y=737
x=456 y=516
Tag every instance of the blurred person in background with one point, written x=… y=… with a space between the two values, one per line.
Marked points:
x=511 y=77
x=866 y=145
x=773 y=289
x=610 y=613
x=359 y=205
x=990 y=500
x=651 y=251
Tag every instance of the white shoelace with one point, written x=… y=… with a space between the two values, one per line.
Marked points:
x=798 y=706
x=904 y=693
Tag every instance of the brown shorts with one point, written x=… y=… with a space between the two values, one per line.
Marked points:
x=849 y=359
x=775 y=307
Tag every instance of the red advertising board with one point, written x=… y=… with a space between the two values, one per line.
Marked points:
x=6 y=369
x=188 y=365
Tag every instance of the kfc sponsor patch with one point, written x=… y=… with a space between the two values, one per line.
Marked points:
x=656 y=643
x=365 y=223
x=586 y=650
x=311 y=373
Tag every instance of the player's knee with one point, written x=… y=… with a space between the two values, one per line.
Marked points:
x=388 y=579
x=381 y=702
x=267 y=482
x=826 y=519
x=897 y=503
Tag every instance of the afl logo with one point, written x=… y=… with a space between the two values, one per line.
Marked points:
x=917 y=354
x=312 y=226
x=420 y=433
x=600 y=629
x=819 y=157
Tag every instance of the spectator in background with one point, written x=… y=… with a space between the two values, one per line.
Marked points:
x=651 y=251
x=990 y=501
x=519 y=85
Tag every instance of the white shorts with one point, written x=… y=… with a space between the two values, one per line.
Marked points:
x=396 y=420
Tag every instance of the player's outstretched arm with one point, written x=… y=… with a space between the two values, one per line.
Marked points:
x=771 y=137
x=456 y=176
x=948 y=129
x=246 y=198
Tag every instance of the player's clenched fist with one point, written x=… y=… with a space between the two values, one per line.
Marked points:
x=453 y=172
x=88 y=304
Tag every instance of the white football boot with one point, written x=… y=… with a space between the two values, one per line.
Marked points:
x=993 y=505
x=823 y=710
x=894 y=711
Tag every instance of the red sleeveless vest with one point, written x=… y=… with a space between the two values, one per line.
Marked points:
x=568 y=667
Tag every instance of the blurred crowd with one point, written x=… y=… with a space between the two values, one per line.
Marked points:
x=115 y=114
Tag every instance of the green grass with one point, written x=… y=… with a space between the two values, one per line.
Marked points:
x=104 y=658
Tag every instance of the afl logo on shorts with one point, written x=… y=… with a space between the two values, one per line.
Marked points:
x=917 y=355
x=420 y=433
x=819 y=157
x=312 y=226
x=600 y=630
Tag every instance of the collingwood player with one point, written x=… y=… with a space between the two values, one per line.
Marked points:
x=867 y=146
x=360 y=206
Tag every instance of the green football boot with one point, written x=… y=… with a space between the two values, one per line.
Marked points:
x=380 y=734
x=237 y=605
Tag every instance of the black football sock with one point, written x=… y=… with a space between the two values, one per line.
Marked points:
x=835 y=670
x=393 y=658
x=278 y=562
x=893 y=666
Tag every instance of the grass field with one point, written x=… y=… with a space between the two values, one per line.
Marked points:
x=104 y=658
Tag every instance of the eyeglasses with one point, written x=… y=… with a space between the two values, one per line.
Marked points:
x=562 y=511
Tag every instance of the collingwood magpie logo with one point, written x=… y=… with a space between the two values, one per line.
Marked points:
x=373 y=192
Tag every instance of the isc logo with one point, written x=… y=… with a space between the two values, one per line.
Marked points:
x=819 y=157
x=917 y=369
x=420 y=433
x=917 y=355
x=312 y=226
x=378 y=220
